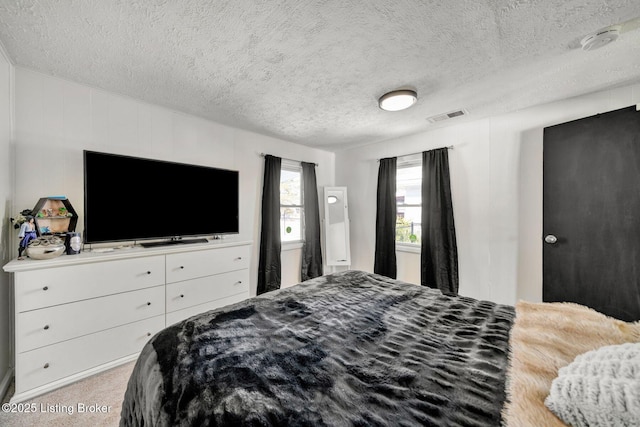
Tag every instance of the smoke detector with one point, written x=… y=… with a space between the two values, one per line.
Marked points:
x=600 y=38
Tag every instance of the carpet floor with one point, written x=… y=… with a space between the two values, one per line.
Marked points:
x=93 y=401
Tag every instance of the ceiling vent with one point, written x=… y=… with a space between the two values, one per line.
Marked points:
x=600 y=38
x=447 y=116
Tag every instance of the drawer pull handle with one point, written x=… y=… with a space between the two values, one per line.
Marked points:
x=148 y=334
x=46 y=288
x=46 y=327
x=239 y=282
x=148 y=272
x=148 y=303
x=238 y=259
x=182 y=267
x=46 y=365
x=181 y=295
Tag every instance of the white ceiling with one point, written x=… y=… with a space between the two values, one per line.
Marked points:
x=311 y=71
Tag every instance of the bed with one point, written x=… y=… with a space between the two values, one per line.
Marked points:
x=356 y=349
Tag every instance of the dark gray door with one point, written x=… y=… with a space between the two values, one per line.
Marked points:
x=591 y=213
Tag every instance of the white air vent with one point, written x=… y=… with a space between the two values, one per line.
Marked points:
x=447 y=116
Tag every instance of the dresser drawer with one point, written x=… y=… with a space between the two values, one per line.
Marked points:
x=38 y=328
x=189 y=265
x=44 y=365
x=185 y=313
x=60 y=285
x=203 y=289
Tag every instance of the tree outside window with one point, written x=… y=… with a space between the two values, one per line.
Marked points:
x=409 y=203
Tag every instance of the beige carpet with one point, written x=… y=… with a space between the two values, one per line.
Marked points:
x=73 y=405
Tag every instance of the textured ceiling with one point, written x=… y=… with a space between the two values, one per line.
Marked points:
x=311 y=71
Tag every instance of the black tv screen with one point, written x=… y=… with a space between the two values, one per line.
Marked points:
x=132 y=198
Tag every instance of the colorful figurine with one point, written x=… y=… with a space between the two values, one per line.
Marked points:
x=27 y=233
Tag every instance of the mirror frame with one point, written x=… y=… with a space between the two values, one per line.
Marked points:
x=330 y=258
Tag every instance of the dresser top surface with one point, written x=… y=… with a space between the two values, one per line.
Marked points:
x=125 y=252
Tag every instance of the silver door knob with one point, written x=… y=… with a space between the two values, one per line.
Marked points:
x=551 y=239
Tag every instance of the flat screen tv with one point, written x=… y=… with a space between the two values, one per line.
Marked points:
x=130 y=198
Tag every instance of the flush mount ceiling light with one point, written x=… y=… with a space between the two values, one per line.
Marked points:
x=398 y=100
x=600 y=38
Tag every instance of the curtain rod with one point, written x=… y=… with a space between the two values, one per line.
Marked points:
x=291 y=160
x=450 y=147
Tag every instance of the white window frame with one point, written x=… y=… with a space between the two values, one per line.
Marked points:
x=293 y=166
x=404 y=163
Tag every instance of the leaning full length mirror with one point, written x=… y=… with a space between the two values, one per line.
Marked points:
x=336 y=228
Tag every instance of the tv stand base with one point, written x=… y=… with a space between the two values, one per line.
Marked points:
x=173 y=242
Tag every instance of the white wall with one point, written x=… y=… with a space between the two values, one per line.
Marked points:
x=496 y=169
x=496 y=173
x=56 y=119
x=8 y=251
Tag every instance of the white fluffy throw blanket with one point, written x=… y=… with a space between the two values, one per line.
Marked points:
x=599 y=388
x=545 y=338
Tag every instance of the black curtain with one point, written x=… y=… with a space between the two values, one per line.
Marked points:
x=439 y=257
x=270 y=265
x=311 y=251
x=385 y=256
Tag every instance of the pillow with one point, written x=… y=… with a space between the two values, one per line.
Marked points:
x=546 y=337
x=599 y=388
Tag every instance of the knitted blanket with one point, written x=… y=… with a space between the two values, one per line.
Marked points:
x=600 y=387
x=545 y=338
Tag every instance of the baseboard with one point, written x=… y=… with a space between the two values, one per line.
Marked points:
x=6 y=383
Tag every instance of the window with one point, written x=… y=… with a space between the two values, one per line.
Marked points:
x=409 y=201
x=291 y=202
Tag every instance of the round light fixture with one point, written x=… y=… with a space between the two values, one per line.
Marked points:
x=398 y=100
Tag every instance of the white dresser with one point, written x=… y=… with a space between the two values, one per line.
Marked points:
x=77 y=315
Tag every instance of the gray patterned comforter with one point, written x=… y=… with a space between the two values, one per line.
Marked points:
x=347 y=349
